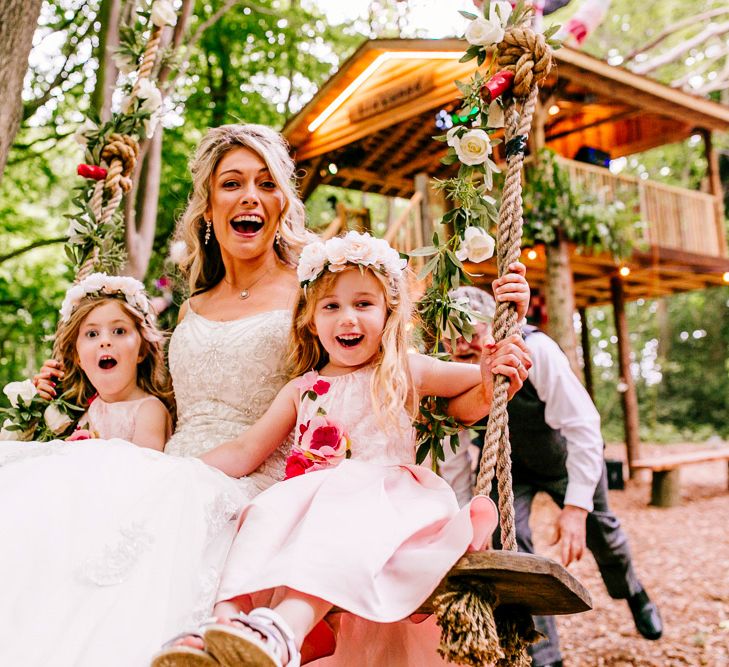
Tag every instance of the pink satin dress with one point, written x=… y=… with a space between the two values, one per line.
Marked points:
x=373 y=535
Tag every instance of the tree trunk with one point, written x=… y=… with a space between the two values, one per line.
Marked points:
x=18 y=19
x=560 y=296
x=106 y=72
x=141 y=220
x=140 y=210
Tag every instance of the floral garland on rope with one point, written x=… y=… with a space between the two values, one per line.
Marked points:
x=470 y=144
x=94 y=231
x=111 y=148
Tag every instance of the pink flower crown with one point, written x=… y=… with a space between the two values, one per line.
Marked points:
x=353 y=248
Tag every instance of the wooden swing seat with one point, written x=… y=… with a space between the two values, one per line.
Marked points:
x=540 y=584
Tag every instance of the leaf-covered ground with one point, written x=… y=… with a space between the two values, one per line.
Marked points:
x=682 y=557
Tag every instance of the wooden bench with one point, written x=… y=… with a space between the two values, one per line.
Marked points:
x=665 y=485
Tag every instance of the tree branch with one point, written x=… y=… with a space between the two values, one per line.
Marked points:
x=32 y=246
x=707 y=64
x=679 y=25
x=713 y=30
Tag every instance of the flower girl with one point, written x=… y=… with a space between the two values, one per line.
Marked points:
x=356 y=524
x=114 y=359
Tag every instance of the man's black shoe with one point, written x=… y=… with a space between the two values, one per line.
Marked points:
x=645 y=614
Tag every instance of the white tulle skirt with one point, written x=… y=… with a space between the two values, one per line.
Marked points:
x=108 y=550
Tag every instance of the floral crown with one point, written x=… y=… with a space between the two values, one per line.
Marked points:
x=353 y=248
x=102 y=284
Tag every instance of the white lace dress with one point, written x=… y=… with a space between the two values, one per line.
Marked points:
x=108 y=549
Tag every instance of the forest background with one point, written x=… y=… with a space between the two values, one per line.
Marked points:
x=261 y=62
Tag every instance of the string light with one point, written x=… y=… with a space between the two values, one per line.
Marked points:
x=554 y=110
x=531 y=254
x=624 y=271
x=725 y=277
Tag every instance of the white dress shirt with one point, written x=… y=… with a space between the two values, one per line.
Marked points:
x=568 y=409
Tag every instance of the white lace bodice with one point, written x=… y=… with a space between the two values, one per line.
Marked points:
x=349 y=401
x=225 y=375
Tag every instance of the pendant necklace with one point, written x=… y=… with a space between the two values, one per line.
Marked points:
x=246 y=292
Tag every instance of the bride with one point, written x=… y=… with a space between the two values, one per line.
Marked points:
x=109 y=549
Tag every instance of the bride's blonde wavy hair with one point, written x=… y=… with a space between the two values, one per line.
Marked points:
x=203 y=264
x=391 y=385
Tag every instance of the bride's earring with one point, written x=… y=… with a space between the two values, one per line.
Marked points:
x=208 y=230
x=277 y=238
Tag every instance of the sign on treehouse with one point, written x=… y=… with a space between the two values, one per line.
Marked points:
x=392 y=96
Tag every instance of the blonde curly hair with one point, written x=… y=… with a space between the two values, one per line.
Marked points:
x=202 y=264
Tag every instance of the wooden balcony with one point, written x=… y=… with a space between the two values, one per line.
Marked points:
x=674 y=218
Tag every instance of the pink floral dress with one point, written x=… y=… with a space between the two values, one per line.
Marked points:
x=373 y=534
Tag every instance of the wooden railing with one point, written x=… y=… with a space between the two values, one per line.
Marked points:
x=675 y=218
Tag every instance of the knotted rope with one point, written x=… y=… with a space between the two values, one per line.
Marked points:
x=466 y=612
x=119 y=157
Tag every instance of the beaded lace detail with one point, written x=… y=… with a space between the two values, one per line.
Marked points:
x=225 y=375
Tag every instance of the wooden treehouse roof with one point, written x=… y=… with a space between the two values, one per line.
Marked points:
x=370 y=128
x=373 y=121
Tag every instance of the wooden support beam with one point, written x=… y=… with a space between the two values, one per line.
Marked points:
x=714 y=178
x=586 y=352
x=629 y=396
x=422 y=186
x=404 y=187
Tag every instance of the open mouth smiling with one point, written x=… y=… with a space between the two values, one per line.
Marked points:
x=350 y=340
x=247 y=224
x=107 y=362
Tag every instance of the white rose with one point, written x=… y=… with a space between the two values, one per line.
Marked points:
x=57 y=420
x=312 y=260
x=150 y=124
x=481 y=32
x=336 y=250
x=499 y=12
x=17 y=390
x=123 y=62
x=149 y=94
x=80 y=135
x=6 y=434
x=473 y=147
x=476 y=246
x=163 y=13
x=178 y=251
x=451 y=137
x=360 y=249
x=496 y=115
x=76 y=232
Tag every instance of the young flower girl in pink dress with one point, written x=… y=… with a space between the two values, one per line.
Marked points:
x=113 y=356
x=356 y=524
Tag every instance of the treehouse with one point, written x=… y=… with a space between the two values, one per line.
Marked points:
x=370 y=128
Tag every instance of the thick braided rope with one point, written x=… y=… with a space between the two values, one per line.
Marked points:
x=529 y=56
x=149 y=58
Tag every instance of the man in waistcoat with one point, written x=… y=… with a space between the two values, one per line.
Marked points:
x=556 y=447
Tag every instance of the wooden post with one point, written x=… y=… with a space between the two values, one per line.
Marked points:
x=560 y=296
x=666 y=488
x=422 y=185
x=629 y=396
x=586 y=353
x=715 y=188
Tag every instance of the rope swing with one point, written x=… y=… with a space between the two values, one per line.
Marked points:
x=118 y=153
x=475 y=630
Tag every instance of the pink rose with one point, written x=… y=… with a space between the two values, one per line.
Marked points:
x=325 y=439
x=80 y=434
x=310 y=383
x=297 y=464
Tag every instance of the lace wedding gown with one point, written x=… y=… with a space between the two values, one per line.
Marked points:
x=109 y=549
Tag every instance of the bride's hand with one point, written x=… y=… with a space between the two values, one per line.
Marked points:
x=46 y=378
